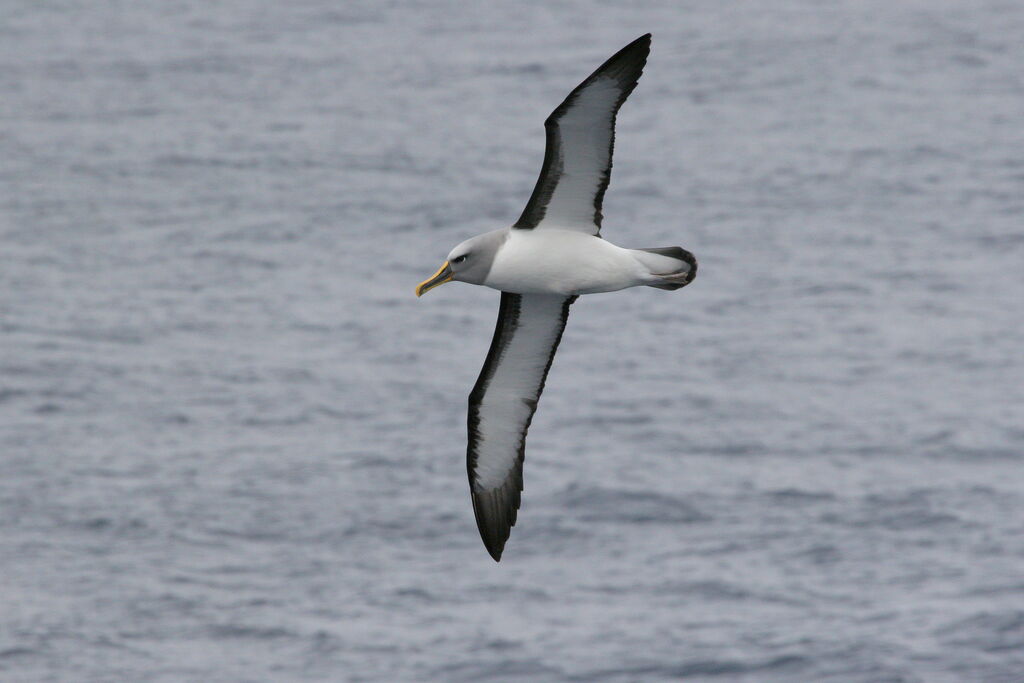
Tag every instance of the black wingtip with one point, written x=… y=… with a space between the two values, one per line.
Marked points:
x=644 y=40
x=641 y=46
x=494 y=538
x=495 y=513
x=495 y=552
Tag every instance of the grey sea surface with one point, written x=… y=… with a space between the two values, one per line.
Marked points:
x=232 y=440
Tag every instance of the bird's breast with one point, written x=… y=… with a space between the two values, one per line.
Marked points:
x=561 y=262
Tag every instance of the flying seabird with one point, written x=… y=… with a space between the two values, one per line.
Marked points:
x=541 y=264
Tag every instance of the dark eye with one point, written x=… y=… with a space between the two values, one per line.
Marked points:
x=459 y=259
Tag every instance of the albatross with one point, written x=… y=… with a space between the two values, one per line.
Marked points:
x=553 y=254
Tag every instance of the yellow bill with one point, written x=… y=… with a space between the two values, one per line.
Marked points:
x=436 y=280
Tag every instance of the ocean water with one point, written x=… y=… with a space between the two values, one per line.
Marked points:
x=232 y=440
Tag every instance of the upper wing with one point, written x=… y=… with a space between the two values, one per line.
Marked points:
x=580 y=140
x=502 y=404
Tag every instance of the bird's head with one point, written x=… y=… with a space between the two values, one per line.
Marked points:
x=469 y=262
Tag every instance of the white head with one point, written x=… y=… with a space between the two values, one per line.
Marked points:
x=469 y=262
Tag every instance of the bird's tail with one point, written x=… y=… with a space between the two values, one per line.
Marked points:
x=670 y=267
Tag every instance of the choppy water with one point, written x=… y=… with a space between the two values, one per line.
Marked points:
x=232 y=440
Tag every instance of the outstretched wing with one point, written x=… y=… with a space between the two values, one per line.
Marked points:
x=502 y=405
x=580 y=141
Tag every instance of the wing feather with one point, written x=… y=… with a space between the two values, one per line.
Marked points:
x=502 y=405
x=580 y=135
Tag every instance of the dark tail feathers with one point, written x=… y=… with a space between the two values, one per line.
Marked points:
x=678 y=279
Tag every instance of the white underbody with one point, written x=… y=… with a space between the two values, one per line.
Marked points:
x=568 y=262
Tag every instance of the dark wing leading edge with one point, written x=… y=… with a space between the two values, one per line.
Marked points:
x=502 y=405
x=580 y=141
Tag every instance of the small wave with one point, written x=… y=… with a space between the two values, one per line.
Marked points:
x=229 y=631
x=821 y=554
x=703 y=667
x=904 y=512
x=500 y=671
x=987 y=631
x=793 y=495
x=709 y=590
x=632 y=507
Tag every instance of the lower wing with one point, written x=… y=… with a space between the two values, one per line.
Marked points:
x=502 y=405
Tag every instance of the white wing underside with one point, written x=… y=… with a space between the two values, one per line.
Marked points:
x=580 y=143
x=586 y=133
x=502 y=405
